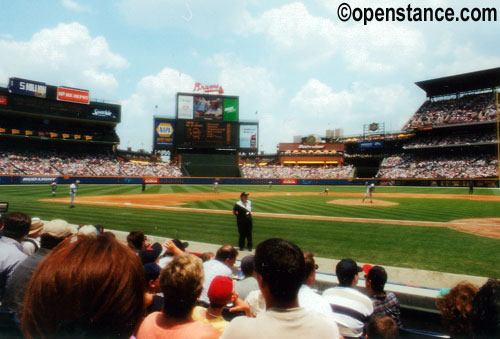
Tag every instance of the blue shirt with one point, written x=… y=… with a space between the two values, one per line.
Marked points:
x=11 y=255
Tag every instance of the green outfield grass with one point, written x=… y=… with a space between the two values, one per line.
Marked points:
x=428 y=248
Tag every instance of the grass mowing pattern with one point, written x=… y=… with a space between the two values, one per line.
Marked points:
x=429 y=248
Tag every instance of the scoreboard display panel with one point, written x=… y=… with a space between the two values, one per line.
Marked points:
x=206 y=134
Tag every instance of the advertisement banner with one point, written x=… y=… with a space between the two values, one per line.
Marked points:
x=231 y=109
x=289 y=181
x=371 y=144
x=248 y=136
x=28 y=87
x=78 y=96
x=184 y=107
x=28 y=132
x=164 y=133
x=37 y=180
x=15 y=131
x=151 y=180
x=3 y=100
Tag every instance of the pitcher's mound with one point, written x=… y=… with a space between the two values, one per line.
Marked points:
x=357 y=202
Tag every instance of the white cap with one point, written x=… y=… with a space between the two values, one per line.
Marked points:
x=89 y=230
x=57 y=228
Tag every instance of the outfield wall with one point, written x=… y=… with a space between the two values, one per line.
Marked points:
x=34 y=179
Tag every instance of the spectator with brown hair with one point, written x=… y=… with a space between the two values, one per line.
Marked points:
x=455 y=309
x=181 y=282
x=485 y=312
x=136 y=240
x=308 y=298
x=381 y=326
x=221 y=265
x=16 y=226
x=89 y=287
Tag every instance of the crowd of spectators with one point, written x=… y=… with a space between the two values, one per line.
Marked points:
x=453 y=140
x=461 y=167
x=466 y=109
x=83 y=282
x=61 y=163
x=299 y=172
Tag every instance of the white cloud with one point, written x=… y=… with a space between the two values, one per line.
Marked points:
x=154 y=95
x=293 y=30
x=64 y=55
x=74 y=6
x=316 y=107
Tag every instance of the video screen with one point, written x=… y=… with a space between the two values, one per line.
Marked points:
x=209 y=108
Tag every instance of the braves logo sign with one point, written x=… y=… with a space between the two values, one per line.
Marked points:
x=208 y=88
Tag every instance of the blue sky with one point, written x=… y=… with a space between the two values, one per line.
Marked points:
x=295 y=63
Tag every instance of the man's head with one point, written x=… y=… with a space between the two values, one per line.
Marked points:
x=16 y=225
x=382 y=326
x=485 y=313
x=227 y=255
x=151 y=253
x=54 y=232
x=347 y=272
x=310 y=268
x=220 y=291
x=248 y=265
x=244 y=196
x=152 y=276
x=280 y=269
x=376 y=279
x=136 y=239
x=181 y=282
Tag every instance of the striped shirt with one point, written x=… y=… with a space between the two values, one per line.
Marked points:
x=351 y=309
x=388 y=305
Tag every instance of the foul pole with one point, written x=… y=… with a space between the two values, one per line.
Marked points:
x=498 y=138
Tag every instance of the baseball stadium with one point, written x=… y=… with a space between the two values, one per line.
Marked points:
x=434 y=206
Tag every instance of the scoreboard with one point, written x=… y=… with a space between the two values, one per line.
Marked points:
x=206 y=134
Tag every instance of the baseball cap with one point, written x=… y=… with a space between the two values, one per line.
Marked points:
x=244 y=194
x=220 y=291
x=57 y=228
x=367 y=268
x=377 y=275
x=36 y=225
x=151 y=271
x=151 y=253
x=347 y=268
x=88 y=230
x=181 y=245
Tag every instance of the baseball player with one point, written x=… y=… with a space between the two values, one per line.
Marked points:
x=72 y=193
x=216 y=187
x=53 y=186
x=369 y=192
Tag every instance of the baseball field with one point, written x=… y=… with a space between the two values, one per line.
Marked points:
x=439 y=229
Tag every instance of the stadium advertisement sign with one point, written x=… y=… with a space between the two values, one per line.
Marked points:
x=37 y=180
x=231 y=110
x=185 y=107
x=289 y=181
x=3 y=100
x=151 y=180
x=371 y=144
x=27 y=87
x=249 y=136
x=164 y=133
x=78 y=96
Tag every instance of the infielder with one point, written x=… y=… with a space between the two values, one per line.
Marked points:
x=72 y=193
x=53 y=186
x=216 y=187
x=369 y=192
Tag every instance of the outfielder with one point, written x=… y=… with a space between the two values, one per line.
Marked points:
x=369 y=192
x=53 y=186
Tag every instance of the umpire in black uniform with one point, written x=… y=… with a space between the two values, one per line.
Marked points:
x=243 y=212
